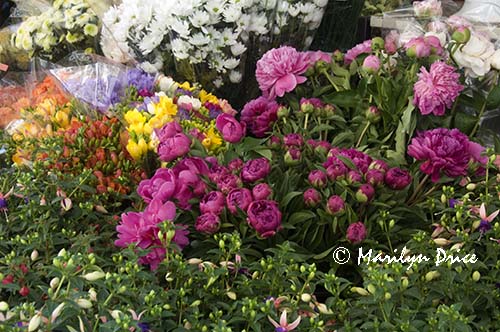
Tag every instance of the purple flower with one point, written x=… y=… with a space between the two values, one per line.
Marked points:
x=141 y=80
x=292 y=157
x=207 y=223
x=445 y=151
x=157 y=211
x=360 y=159
x=174 y=147
x=317 y=178
x=293 y=140
x=397 y=179
x=365 y=193
x=213 y=202
x=379 y=165
x=312 y=197
x=436 y=89
x=235 y=165
x=335 y=168
x=356 y=232
x=239 y=198
x=228 y=181
x=264 y=217
x=280 y=70
x=354 y=177
x=259 y=115
x=262 y=191
x=232 y=131
x=375 y=177
x=353 y=53
x=255 y=170
x=335 y=205
x=161 y=186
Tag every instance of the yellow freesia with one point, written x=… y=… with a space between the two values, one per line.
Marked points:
x=62 y=119
x=186 y=86
x=212 y=140
x=134 y=116
x=205 y=96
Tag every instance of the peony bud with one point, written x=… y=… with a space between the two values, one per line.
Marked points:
x=371 y=288
x=283 y=112
x=373 y=114
x=371 y=64
x=365 y=193
x=317 y=178
x=461 y=35
x=293 y=157
x=335 y=205
x=378 y=44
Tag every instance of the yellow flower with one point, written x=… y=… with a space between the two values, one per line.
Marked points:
x=165 y=107
x=62 y=119
x=205 y=96
x=140 y=129
x=212 y=140
x=186 y=86
x=135 y=117
x=136 y=150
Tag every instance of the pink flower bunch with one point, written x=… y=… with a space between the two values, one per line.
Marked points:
x=422 y=47
x=173 y=142
x=262 y=213
x=280 y=70
x=259 y=115
x=315 y=56
x=232 y=131
x=436 y=89
x=445 y=151
x=363 y=48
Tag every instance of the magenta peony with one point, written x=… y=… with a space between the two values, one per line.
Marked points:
x=445 y=151
x=354 y=177
x=353 y=53
x=293 y=157
x=227 y=182
x=161 y=186
x=262 y=191
x=264 y=217
x=335 y=205
x=259 y=115
x=312 y=197
x=280 y=70
x=317 y=178
x=365 y=193
x=207 y=223
x=239 y=198
x=293 y=140
x=356 y=232
x=374 y=177
x=213 y=202
x=171 y=148
x=235 y=165
x=397 y=179
x=255 y=170
x=436 y=89
x=232 y=131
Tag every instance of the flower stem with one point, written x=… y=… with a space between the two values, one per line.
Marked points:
x=306 y=121
x=419 y=189
x=363 y=133
x=476 y=126
x=329 y=78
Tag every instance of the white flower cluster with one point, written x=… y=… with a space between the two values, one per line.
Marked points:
x=209 y=35
x=66 y=22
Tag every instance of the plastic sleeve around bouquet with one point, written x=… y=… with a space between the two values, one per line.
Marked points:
x=16 y=59
x=14 y=96
x=484 y=11
x=59 y=29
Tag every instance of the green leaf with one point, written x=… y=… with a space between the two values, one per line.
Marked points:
x=407 y=117
x=348 y=98
x=493 y=99
x=465 y=122
x=398 y=155
x=266 y=153
x=301 y=216
x=342 y=137
x=323 y=254
x=288 y=197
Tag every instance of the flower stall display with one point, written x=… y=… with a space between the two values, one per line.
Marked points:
x=359 y=191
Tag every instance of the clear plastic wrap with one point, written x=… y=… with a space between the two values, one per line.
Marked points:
x=484 y=11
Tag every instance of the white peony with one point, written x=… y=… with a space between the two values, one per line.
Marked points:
x=475 y=55
x=495 y=60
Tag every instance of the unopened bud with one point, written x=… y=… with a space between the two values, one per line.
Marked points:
x=54 y=282
x=34 y=255
x=84 y=303
x=306 y=297
x=93 y=276
x=35 y=322
x=4 y=306
x=371 y=288
x=231 y=295
x=442 y=242
x=476 y=276
x=360 y=291
x=432 y=275
x=57 y=311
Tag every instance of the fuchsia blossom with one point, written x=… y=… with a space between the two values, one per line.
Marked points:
x=397 y=179
x=255 y=170
x=173 y=142
x=280 y=70
x=353 y=53
x=262 y=191
x=436 y=89
x=372 y=64
x=312 y=197
x=162 y=186
x=486 y=220
x=445 y=151
x=283 y=325
x=213 y=202
x=392 y=42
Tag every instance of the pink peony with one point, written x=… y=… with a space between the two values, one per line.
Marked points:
x=436 y=89
x=397 y=179
x=207 y=223
x=161 y=186
x=422 y=47
x=353 y=53
x=335 y=205
x=239 y=198
x=312 y=197
x=264 y=217
x=372 y=64
x=174 y=147
x=261 y=191
x=427 y=8
x=392 y=42
x=356 y=232
x=279 y=71
x=445 y=151
x=213 y=202
x=255 y=170
x=259 y=115
x=315 y=56
x=232 y=131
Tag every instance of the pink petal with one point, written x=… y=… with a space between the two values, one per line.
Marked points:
x=285 y=84
x=283 y=321
x=273 y=322
x=492 y=216
x=482 y=212
x=293 y=325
